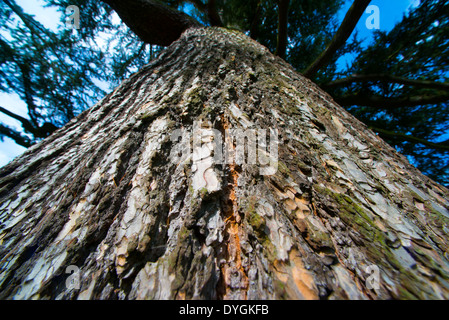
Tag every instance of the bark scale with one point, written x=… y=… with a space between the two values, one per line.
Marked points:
x=105 y=209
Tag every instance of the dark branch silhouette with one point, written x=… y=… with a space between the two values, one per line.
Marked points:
x=380 y=102
x=343 y=33
x=282 y=39
x=212 y=13
x=152 y=21
x=387 y=79
x=16 y=136
x=26 y=124
x=255 y=20
x=405 y=137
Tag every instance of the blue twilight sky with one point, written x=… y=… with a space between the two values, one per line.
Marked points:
x=391 y=12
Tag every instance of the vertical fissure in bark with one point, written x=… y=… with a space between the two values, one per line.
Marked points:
x=233 y=281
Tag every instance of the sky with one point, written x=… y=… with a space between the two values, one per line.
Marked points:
x=390 y=13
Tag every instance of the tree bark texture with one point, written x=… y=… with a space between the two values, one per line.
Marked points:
x=102 y=200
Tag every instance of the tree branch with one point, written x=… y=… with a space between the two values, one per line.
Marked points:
x=34 y=27
x=26 y=124
x=254 y=27
x=212 y=13
x=387 y=78
x=38 y=132
x=281 y=46
x=380 y=102
x=16 y=136
x=343 y=33
x=152 y=21
x=404 y=137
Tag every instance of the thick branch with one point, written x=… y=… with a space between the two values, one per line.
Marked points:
x=14 y=135
x=282 y=39
x=388 y=79
x=404 y=137
x=152 y=21
x=380 y=102
x=343 y=33
x=38 y=132
x=254 y=27
x=212 y=13
x=26 y=124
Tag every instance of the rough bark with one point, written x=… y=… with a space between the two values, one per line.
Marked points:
x=105 y=193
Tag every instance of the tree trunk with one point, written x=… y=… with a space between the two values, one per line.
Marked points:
x=114 y=206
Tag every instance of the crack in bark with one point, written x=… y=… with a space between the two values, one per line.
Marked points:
x=228 y=288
